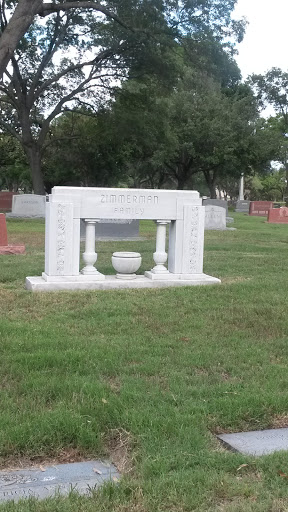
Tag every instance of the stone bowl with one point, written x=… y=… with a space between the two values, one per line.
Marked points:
x=126 y=264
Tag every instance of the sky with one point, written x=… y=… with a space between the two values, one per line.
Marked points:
x=265 y=42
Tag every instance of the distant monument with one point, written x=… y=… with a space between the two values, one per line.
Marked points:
x=242 y=206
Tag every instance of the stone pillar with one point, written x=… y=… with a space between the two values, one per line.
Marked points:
x=241 y=188
x=160 y=255
x=90 y=256
x=186 y=242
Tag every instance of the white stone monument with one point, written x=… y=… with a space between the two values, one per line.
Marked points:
x=181 y=210
x=241 y=188
x=28 y=205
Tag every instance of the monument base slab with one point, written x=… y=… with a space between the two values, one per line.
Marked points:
x=24 y=216
x=12 y=249
x=39 y=284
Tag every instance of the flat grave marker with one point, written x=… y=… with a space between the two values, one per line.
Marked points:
x=278 y=215
x=258 y=442
x=59 y=479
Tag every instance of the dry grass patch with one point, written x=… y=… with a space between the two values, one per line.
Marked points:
x=120 y=445
x=280 y=421
x=65 y=456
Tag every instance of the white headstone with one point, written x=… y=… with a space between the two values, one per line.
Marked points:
x=215 y=217
x=28 y=205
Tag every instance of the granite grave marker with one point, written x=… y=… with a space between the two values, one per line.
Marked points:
x=259 y=442
x=81 y=477
x=6 y=201
x=242 y=206
x=260 y=208
x=278 y=215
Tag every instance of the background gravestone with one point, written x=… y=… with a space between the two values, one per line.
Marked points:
x=4 y=247
x=6 y=201
x=242 y=206
x=215 y=217
x=260 y=208
x=108 y=229
x=28 y=205
x=216 y=202
x=278 y=216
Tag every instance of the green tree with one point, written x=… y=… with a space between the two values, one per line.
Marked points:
x=14 y=169
x=115 y=41
x=83 y=151
x=198 y=127
x=272 y=89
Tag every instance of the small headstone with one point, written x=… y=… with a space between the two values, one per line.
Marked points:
x=3 y=231
x=109 y=229
x=260 y=208
x=242 y=206
x=216 y=202
x=278 y=215
x=259 y=442
x=4 y=247
x=229 y=220
x=6 y=201
x=28 y=205
x=47 y=481
x=215 y=217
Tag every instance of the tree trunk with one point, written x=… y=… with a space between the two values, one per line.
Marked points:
x=210 y=180
x=34 y=159
x=212 y=190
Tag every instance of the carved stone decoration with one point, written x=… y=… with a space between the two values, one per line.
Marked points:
x=193 y=240
x=61 y=225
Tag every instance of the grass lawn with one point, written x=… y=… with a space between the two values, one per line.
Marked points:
x=148 y=377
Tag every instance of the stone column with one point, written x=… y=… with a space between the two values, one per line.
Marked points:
x=90 y=256
x=160 y=255
x=241 y=188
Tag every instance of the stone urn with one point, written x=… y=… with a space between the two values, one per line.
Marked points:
x=126 y=264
